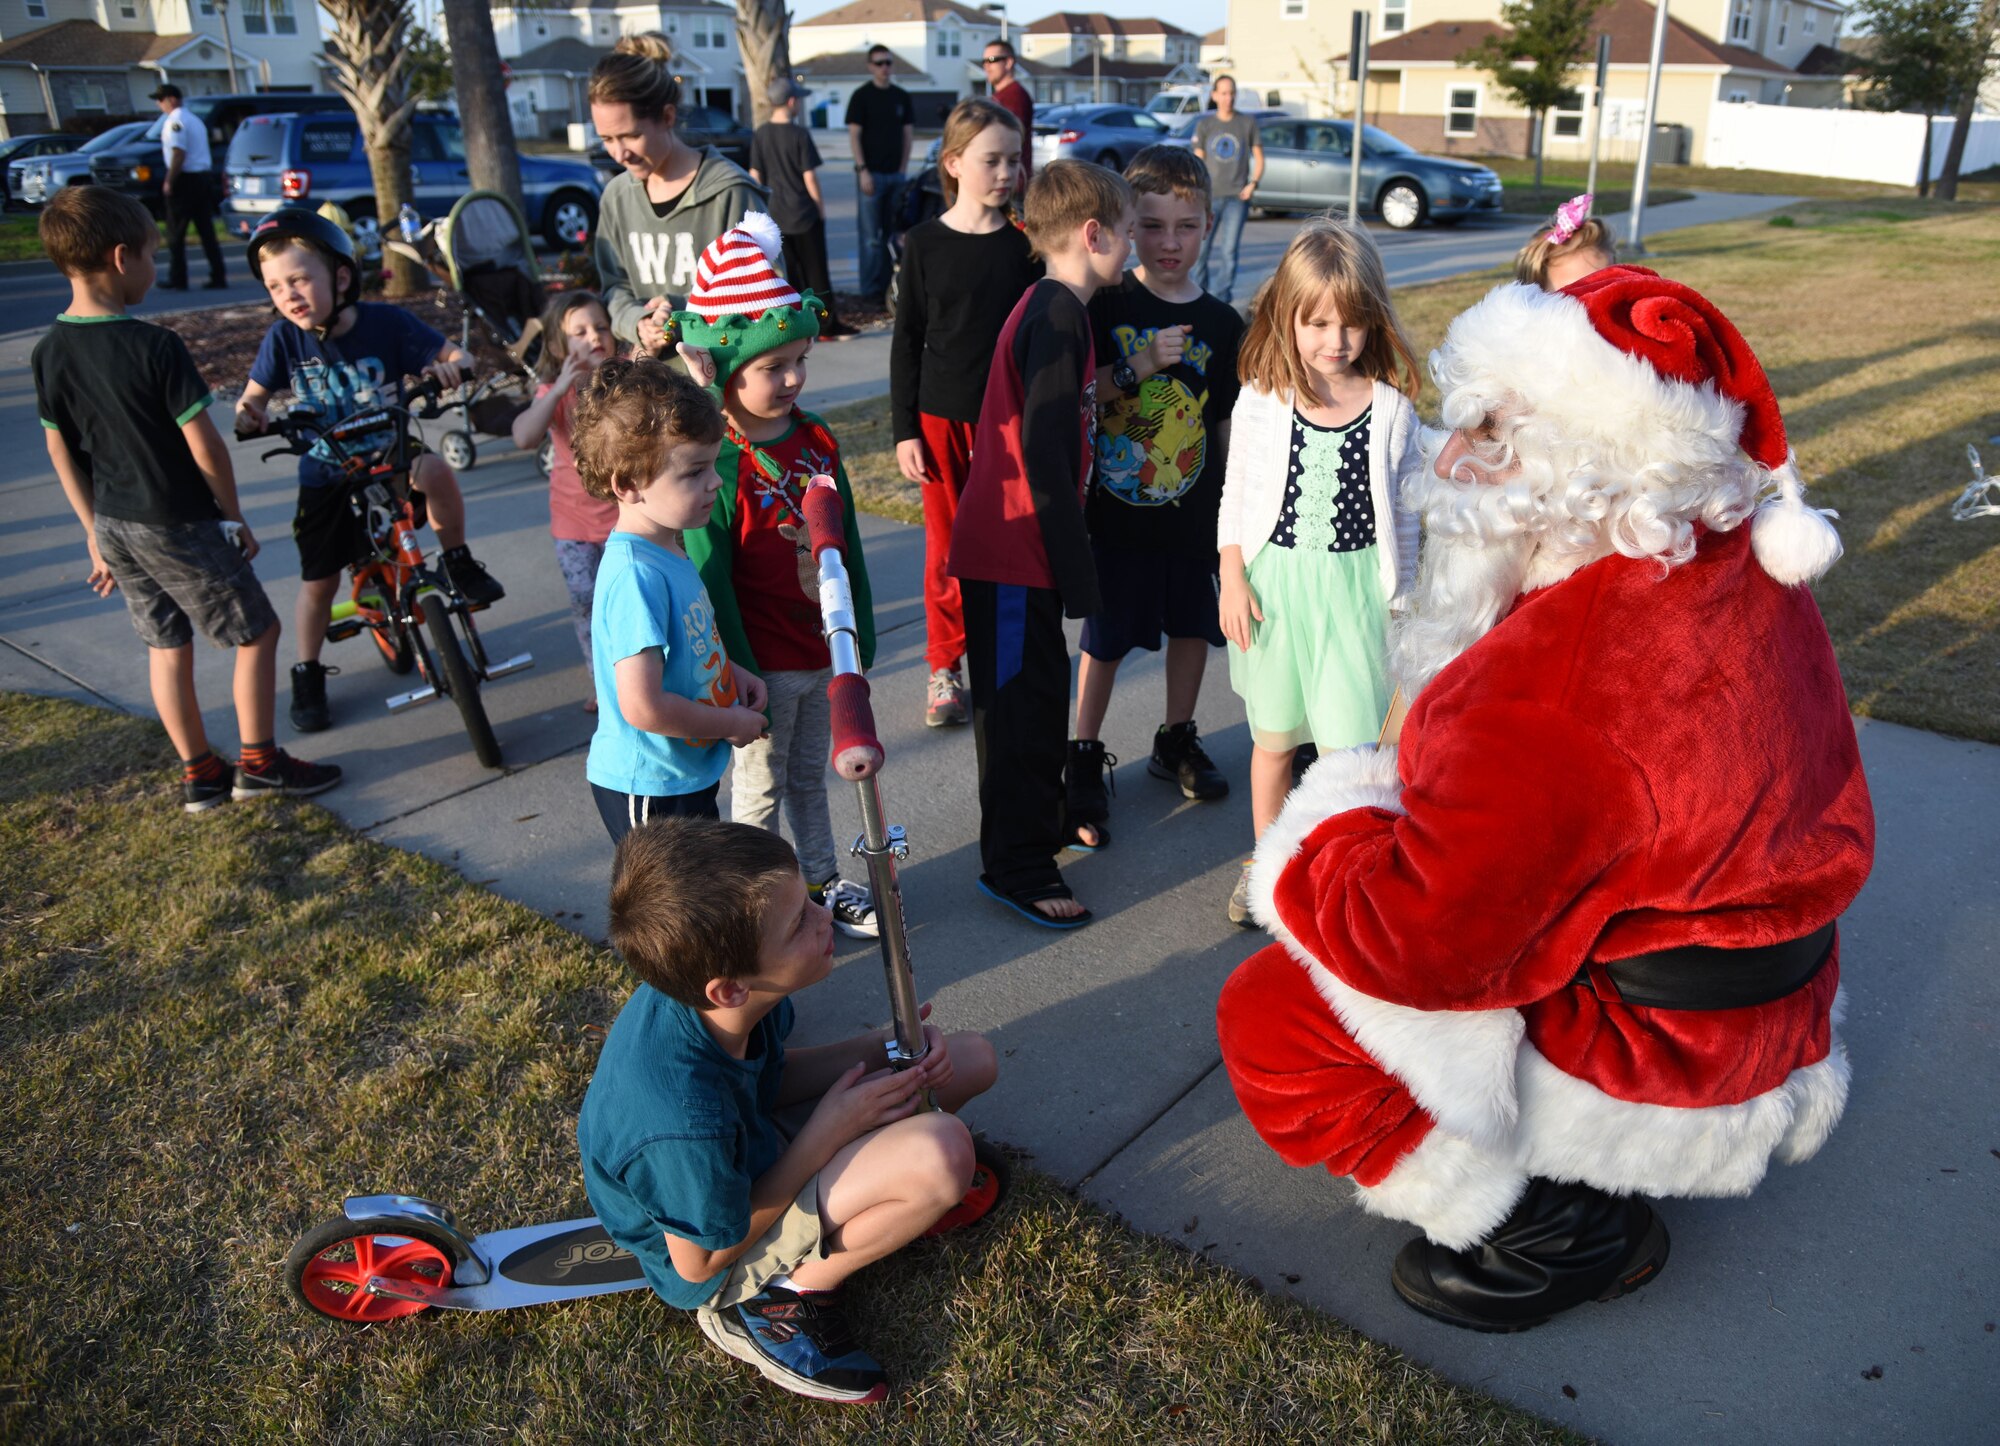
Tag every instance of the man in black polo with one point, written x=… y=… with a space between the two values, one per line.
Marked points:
x=190 y=190
x=880 y=123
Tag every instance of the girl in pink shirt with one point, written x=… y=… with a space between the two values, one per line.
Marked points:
x=577 y=340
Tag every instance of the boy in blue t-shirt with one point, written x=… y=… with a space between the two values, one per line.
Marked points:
x=668 y=697
x=336 y=352
x=686 y=1155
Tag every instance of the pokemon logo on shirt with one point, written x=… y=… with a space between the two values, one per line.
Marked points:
x=1152 y=446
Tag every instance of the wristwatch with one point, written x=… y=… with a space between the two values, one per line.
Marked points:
x=1124 y=378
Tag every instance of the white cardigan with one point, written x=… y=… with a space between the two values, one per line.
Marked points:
x=1253 y=487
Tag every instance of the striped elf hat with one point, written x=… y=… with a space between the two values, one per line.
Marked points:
x=740 y=306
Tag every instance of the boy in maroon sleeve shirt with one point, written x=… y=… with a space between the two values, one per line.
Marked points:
x=1019 y=546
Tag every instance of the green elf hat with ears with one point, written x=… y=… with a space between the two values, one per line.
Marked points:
x=740 y=306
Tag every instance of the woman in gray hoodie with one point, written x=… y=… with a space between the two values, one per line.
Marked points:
x=672 y=200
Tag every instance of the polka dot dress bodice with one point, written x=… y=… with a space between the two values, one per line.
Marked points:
x=1327 y=504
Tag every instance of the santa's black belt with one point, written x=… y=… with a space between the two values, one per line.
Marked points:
x=1697 y=976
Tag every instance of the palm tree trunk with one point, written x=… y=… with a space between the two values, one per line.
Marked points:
x=490 y=153
x=764 y=35
x=370 y=53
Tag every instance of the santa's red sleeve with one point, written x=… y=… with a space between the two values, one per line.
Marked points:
x=1486 y=891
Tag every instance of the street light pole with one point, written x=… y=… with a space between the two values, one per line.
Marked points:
x=228 y=47
x=1636 y=234
x=1357 y=71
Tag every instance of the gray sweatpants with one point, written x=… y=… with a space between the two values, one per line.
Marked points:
x=789 y=768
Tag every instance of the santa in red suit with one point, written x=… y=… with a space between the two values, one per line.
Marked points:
x=1571 y=941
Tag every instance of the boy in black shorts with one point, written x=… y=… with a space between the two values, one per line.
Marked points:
x=1166 y=383
x=125 y=414
x=334 y=352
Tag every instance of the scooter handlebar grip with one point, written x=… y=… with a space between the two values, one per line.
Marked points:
x=857 y=752
x=826 y=526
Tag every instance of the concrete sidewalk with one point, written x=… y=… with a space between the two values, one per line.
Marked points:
x=1772 y=1315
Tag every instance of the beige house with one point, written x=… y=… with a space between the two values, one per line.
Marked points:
x=1085 y=56
x=549 y=46
x=936 y=42
x=86 y=63
x=1294 y=53
x=1215 y=51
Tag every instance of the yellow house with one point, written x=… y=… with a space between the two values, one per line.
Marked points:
x=1293 y=53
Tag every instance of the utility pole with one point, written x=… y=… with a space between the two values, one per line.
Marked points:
x=1597 y=119
x=228 y=46
x=1357 y=71
x=1637 y=233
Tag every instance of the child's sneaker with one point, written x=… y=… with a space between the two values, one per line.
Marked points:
x=310 y=713
x=853 y=907
x=204 y=784
x=799 y=1340
x=1239 y=901
x=284 y=777
x=1179 y=758
x=945 y=700
x=469 y=575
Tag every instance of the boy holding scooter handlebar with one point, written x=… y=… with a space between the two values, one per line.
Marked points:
x=686 y=1157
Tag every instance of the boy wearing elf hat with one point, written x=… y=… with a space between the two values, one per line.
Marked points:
x=748 y=333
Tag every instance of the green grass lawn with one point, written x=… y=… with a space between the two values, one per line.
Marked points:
x=19 y=240
x=1614 y=179
x=212 y=1029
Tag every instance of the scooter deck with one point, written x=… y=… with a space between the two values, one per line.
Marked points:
x=532 y=1265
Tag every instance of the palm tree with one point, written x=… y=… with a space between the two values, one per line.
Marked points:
x=370 y=53
x=764 y=35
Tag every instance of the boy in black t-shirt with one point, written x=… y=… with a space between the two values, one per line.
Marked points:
x=125 y=414
x=782 y=160
x=335 y=352
x=1166 y=394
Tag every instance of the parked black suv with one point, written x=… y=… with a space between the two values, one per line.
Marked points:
x=138 y=168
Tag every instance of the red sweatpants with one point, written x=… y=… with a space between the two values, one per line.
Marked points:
x=950 y=447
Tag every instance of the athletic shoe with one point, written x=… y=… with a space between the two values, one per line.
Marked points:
x=199 y=795
x=310 y=713
x=469 y=575
x=853 y=908
x=1239 y=901
x=945 y=700
x=1179 y=758
x=289 y=777
x=799 y=1340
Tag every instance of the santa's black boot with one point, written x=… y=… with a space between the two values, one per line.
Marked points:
x=1562 y=1246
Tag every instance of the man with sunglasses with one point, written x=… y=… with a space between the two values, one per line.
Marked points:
x=998 y=63
x=880 y=123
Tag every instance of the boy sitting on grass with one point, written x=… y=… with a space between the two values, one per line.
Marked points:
x=686 y=1158
x=125 y=413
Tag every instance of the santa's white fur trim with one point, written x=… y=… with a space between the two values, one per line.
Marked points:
x=1458 y=1064
x=1794 y=543
x=764 y=231
x=1541 y=347
x=1453 y=1190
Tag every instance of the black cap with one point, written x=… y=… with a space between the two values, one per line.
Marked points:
x=161 y=92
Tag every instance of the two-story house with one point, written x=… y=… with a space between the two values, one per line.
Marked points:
x=1294 y=53
x=550 y=47
x=76 y=63
x=1083 y=56
x=936 y=43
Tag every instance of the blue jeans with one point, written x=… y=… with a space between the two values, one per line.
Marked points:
x=876 y=217
x=1215 y=273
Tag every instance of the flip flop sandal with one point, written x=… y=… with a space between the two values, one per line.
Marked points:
x=1023 y=901
x=1074 y=840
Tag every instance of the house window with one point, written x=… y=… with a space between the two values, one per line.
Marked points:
x=706 y=32
x=86 y=95
x=1784 y=23
x=38 y=9
x=950 y=41
x=1739 y=21
x=283 y=22
x=208 y=7
x=1738 y=97
x=1293 y=9
x=1395 y=16
x=1811 y=21
x=253 y=18
x=129 y=10
x=1569 y=115
x=1461 y=111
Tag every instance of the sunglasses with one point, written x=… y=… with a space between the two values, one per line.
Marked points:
x=881 y=64
x=995 y=59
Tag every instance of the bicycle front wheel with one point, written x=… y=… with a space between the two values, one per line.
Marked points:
x=456 y=674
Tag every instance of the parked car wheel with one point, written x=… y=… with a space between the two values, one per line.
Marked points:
x=1403 y=204
x=1109 y=160
x=568 y=218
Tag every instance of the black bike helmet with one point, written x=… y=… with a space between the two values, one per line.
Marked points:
x=295 y=223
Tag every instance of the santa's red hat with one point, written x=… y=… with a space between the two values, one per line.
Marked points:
x=1628 y=357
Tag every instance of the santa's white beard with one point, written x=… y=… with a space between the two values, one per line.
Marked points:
x=1483 y=547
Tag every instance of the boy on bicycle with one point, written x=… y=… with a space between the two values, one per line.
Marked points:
x=336 y=352
x=125 y=414
x=749 y=1179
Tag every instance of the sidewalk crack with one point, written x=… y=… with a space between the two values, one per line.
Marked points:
x=1164 y=1110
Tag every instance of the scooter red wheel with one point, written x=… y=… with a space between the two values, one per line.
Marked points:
x=989 y=1188
x=329 y=1269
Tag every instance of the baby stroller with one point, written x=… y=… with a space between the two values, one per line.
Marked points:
x=483 y=253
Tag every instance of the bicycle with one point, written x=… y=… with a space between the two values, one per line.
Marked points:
x=413 y=610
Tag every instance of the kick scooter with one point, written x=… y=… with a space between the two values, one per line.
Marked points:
x=389 y=1256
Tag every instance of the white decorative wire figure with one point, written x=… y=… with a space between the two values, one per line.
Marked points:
x=1982 y=497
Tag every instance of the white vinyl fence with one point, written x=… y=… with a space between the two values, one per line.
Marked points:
x=1853 y=145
